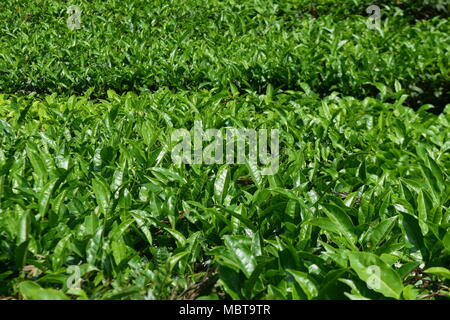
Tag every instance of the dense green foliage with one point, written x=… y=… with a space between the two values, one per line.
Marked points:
x=87 y=180
x=93 y=184
x=196 y=44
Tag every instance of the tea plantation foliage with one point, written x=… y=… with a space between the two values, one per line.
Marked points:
x=93 y=207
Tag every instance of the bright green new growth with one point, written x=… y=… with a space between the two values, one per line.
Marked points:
x=93 y=207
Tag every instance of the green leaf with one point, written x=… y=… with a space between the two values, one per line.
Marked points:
x=20 y=254
x=439 y=271
x=255 y=172
x=32 y=291
x=102 y=195
x=24 y=228
x=345 y=226
x=422 y=209
x=221 y=184
x=306 y=283
x=46 y=196
x=179 y=237
x=240 y=247
x=168 y=174
x=446 y=240
x=381 y=231
x=410 y=292
x=437 y=173
x=413 y=233
x=377 y=274
x=93 y=247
